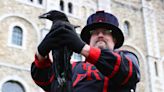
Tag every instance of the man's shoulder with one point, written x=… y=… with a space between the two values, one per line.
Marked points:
x=128 y=53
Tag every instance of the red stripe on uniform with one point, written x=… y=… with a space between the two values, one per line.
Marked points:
x=117 y=65
x=130 y=71
x=78 y=78
x=45 y=83
x=89 y=73
x=105 y=88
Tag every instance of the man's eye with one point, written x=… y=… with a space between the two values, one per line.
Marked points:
x=91 y=32
x=108 y=31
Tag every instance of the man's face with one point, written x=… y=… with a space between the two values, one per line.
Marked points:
x=102 y=38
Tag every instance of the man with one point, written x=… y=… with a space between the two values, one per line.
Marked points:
x=104 y=70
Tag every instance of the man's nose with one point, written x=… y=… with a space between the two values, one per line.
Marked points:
x=100 y=34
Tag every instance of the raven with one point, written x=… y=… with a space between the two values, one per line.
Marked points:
x=61 y=56
x=54 y=16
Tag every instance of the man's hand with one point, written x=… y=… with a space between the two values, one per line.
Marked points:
x=48 y=43
x=66 y=36
x=62 y=34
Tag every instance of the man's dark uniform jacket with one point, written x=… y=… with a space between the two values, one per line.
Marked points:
x=102 y=71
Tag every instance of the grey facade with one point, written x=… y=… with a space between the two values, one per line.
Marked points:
x=141 y=21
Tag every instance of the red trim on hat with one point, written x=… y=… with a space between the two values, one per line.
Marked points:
x=100 y=19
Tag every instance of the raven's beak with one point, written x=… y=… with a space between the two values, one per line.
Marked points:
x=43 y=16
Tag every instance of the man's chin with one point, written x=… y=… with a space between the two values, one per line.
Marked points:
x=101 y=46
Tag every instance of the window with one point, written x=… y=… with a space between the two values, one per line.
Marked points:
x=126 y=29
x=91 y=11
x=84 y=12
x=40 y=2
x=156 y=68
x=17 y=36
x=162 y=3
x=34 y=3
x=12 y=86
x=70 y=7
x=62 y=5
x=30 y=0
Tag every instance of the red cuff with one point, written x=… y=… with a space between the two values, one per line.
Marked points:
x=44 y=64
x=94 y=55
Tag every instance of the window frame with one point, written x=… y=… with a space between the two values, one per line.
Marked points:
x=61 y=5
x=84 y=12
x=38 y=1
x=11 y=27
x=156 y=70
x=14 y=78
x=70 y=7
x=15 y=82
x=16 y=33
x=34 y=3
x=127 y=23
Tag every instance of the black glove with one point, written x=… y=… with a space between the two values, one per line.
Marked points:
x=48 y=43
x=66 y=36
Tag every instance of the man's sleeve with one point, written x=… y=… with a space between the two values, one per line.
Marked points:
x=41 y=73
x=120 y=67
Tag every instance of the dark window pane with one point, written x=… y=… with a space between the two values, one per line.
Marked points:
x=70 y=7
x=62 y=5
x=126 y=28
x=156 y=68
x=40 y=2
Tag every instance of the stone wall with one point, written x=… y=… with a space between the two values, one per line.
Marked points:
x=15 y=61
